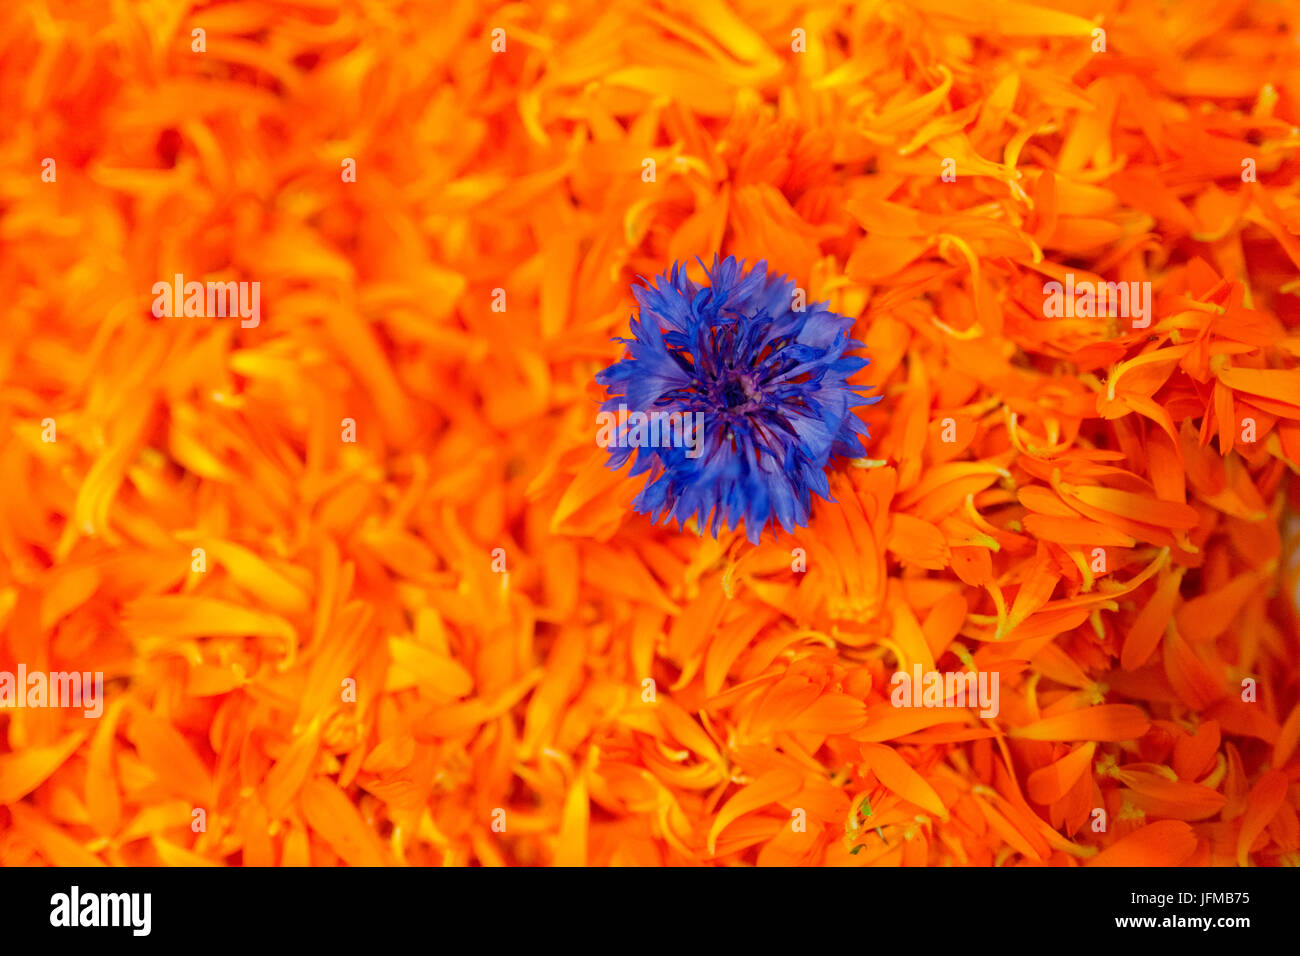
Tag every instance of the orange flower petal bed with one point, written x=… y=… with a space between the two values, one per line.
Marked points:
x=450 y=641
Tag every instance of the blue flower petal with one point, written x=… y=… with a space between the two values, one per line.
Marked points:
x=770 y=380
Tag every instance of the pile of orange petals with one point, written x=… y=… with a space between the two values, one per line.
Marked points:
x=451 y=641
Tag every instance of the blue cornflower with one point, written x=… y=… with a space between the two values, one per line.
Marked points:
x=771 y=384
